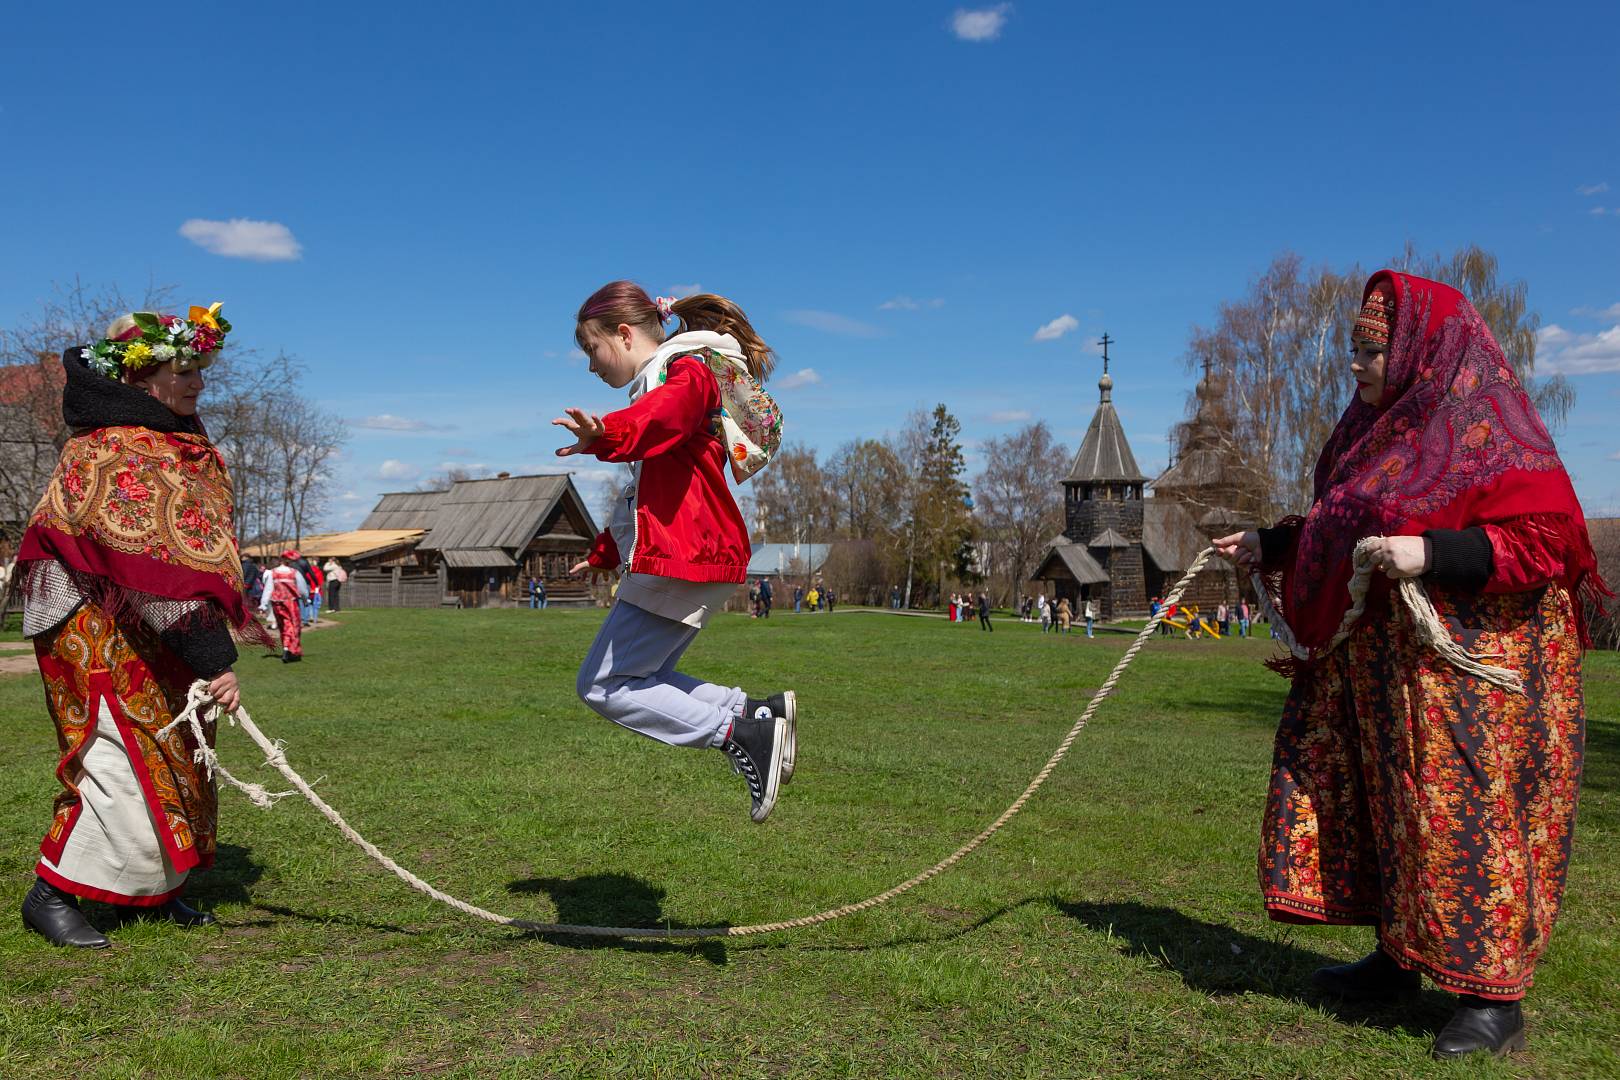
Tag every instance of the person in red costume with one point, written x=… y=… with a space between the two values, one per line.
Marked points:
x=285 y=592
x=1406 y=794
x=132 y=588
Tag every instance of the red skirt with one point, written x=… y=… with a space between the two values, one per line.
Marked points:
x=1433 y=805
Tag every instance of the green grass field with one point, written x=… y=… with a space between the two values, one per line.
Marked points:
x=1114 y=928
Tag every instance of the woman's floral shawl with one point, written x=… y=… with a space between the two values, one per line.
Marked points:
x=131 y=509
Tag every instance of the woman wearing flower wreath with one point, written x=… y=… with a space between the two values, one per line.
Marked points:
x=1426 y=766
x=131 y=585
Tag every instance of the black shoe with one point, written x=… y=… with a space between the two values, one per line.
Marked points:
x=755 y=748
x=291 y=658
x=1480 y=1024
x=55 y=916
x=785 y=705
x=176 y=911
x=1375 y=975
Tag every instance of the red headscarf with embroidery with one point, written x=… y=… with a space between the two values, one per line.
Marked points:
x=1454 y=443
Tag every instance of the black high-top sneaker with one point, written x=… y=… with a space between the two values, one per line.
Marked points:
x=1480 y=1025
x=755 y=748
x=786 y=706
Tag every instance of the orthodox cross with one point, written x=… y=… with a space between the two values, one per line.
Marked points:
x=1105 y=342
x=1209 y=362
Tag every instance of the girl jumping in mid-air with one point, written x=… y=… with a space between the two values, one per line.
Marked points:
x=676 y=536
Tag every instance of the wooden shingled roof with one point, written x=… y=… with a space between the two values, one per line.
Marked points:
x=405 y=510
x=1105 y=454
x=504 y=512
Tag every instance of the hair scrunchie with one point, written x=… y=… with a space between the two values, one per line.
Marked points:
x=666 y=307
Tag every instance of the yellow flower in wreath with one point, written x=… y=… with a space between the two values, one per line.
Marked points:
x=138 y=355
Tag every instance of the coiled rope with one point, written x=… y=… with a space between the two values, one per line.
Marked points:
x=198 y=701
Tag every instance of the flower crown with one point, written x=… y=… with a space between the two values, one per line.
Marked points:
x=183 y=344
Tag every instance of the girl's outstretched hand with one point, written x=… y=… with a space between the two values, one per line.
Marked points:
x=596 y=572
x=1240 y=549
x=585 y=427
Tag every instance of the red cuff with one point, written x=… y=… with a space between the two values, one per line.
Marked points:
x=604 y=554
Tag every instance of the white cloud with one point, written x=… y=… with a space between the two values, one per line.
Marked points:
x=352 y=497
x=243 y=238
x=1615 y=456
x=1599 y=211
x=1562 y=352
x=393 y=469
x=681 y=292
x=1610 y=312
x=907 y=303
x=1593 y=189
x=389 y=422
x=832 y=323
x=1055 y=329
x=802 y=377
x=1010 y=416
x=980 y=24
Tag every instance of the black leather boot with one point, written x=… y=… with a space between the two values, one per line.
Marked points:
x=1479 y=1025
x=176 y=911
x=55 y=916
x=1374 y=976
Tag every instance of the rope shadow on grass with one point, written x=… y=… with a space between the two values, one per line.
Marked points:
x=614 y=900
x=1220 y=961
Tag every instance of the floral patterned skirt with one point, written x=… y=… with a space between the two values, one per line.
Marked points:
x=91 y=665
x=1433 y=805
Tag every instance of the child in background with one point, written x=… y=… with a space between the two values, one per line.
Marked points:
x=676 y=537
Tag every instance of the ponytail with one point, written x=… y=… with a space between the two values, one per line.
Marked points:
x=707 y=311
x=626 y=303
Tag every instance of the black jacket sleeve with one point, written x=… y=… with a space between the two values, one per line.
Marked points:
x=206 y=649
x=1274 y=544
x=1459 y=558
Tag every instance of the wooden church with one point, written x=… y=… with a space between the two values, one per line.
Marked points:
x=1121 y=546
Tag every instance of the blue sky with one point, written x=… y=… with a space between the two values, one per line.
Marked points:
x=900 y=195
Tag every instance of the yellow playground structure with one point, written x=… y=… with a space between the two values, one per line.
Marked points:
x=1188 y=620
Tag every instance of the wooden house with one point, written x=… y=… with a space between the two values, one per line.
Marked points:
x=484 y=539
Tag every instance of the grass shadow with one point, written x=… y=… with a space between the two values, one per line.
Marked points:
x=614 y=900
x=228 y=880
x=1221 y=961
x=1600 y=767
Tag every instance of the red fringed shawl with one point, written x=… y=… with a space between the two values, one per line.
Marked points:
x=132 y=509
x=1454 y=443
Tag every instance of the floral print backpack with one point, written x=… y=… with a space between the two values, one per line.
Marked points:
x=750 y=420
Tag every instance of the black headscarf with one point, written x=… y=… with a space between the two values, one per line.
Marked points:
x=91 y=400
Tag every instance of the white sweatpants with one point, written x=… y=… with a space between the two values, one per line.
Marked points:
x=629 y=677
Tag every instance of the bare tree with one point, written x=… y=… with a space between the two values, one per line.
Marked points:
x=1505 y=307
x=866 y=477
x=793 y=499
x=1019 y=502
x=32 y=432
x=306 y=442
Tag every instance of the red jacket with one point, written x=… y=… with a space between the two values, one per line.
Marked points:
x=687 y=524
